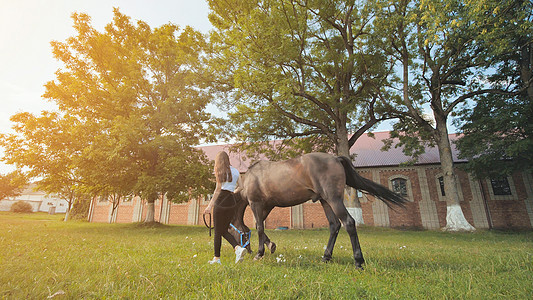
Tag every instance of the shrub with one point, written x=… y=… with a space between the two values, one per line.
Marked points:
x=21 y=207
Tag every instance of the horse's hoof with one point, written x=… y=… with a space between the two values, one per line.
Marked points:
x=326 y=259
x=257 y=257
x=359 y=267
x=272 y=247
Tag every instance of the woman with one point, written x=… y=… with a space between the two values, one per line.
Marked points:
x=223 y=205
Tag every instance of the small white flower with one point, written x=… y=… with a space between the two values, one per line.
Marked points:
x=194 y=255
x=305 y=247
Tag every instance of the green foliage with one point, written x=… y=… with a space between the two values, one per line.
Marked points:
x=41 y=256
x=131 y=108
x=21 y=207
x=306 y=71
x=497 y=130
x=12 y=184
x=498 y=136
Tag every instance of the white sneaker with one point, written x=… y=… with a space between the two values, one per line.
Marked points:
x=239 y=253
x=214 y=261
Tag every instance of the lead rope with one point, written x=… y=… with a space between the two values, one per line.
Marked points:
x=205 y=222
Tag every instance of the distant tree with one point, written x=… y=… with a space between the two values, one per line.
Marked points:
x=48 y=146
x=12 y=184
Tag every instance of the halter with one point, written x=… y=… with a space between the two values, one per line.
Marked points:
x=243 y=234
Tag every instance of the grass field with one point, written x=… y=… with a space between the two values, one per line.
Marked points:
x=41 y=257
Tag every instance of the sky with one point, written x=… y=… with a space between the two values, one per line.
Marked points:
x=28 y=26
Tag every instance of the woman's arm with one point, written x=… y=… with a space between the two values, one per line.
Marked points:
x=209 y=207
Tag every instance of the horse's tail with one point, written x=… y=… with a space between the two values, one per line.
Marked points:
x=360 y=183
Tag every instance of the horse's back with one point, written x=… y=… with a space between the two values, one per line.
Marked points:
x=293 y=181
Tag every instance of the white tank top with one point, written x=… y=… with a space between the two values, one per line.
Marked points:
x=230 y=186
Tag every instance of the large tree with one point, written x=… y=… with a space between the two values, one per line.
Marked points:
x=449 y=64
x=302 y=71
x=137 y=110
x=498 y=133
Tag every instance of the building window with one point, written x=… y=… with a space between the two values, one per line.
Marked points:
x=441 y=193
x=500 y=186
x=399 y=185
x=441 y=184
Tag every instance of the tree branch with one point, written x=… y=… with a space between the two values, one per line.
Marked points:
x=298 y=119
x=486 y=91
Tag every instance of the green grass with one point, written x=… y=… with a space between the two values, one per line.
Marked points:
x=41 y=255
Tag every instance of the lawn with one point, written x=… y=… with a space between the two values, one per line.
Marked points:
x=41 y=257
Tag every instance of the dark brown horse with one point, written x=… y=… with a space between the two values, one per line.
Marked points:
x=317 y=177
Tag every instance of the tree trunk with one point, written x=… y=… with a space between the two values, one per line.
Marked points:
x=69 y=206
x=352 y=203
x=343 y=147
x=150 y=212
x=455 y=219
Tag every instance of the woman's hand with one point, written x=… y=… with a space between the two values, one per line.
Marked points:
x=208 y=210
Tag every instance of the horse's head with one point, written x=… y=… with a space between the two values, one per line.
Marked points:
x=239 y=230
x=242 y=235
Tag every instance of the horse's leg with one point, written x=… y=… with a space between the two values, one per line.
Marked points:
x=238 y=221
x=258 y=211
x=334 y=226
x=342 y=213
x=270 y=245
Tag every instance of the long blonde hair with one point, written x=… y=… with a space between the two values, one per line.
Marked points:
x=222 y=167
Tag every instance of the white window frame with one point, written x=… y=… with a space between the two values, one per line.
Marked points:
x=408 y=184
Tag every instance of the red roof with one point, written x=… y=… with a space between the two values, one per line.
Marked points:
x=367 y=151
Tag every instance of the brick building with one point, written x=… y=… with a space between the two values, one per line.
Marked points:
x=491 y=203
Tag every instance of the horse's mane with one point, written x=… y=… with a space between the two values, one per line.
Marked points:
x=256 y=163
